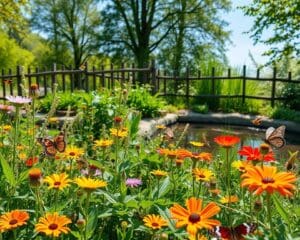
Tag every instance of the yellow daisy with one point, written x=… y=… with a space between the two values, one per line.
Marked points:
x=103 y=143
x=202 y=174
x=90 y=184
x=57 y=181
x=73 y=152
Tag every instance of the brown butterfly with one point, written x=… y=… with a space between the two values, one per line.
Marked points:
x=275 y=137
x=169 y=134
x=234 y=233
x=257 y=121
x=52 y=146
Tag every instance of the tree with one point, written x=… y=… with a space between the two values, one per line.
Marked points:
x=73 y=24
x=283 y=18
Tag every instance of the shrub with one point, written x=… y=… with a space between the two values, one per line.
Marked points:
x=292 y=94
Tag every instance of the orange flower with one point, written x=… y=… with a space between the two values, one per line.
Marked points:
x=229 y=199
x=266 y=178
x=203 y=156
x=255 y=155
x=194 y=216
x=154 y=221
x=13 y=219
x=31 y=161
x=35 y=175
x=227 y=141
x=53 y=224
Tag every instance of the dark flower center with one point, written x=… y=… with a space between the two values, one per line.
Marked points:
x=13 y=222
x=201 y=176
x=155 y=224
x=57 y=184
x=266 y=180
x=194 y=217
x=53 y=226
x=72 y=154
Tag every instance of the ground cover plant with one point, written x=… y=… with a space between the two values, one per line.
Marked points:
x=70 y=183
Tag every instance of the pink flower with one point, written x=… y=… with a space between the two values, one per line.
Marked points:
x=133 y=182
x=6 y=108
x=18 y=100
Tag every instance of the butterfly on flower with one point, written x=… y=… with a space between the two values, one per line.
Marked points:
x=275 y=137
x=234 y=233
x=51 y=147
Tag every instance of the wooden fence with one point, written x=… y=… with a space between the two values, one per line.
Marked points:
x=88 y=79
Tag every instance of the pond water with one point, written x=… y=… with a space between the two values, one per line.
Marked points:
x=250 y=136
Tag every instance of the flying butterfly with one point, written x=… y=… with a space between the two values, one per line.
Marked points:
x=51 y=147
x=234 y=233
x=275 y=137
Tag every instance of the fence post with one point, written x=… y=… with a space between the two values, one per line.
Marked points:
x=19 y=80
x=111 y=84
x=29 y=78
x=187 y=93
x=53 y=76
x=273 y=87
x=165 y=82
x=3 y=84
x=244 y=84
x=86 y=79
x=213 y=84
x=153 y=76
x=94 y=78
x=10 y=85
x=122 y=74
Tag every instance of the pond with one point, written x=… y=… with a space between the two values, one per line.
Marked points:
x=250 y=136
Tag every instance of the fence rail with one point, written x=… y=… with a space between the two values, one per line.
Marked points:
x=69 y=79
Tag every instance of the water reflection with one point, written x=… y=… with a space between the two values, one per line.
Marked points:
x=250 y=136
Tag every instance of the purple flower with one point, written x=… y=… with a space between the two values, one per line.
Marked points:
x=133 y=182
x=18 y=100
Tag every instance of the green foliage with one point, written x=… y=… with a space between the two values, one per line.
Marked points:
x=200 y=108
x=141 y=100
x=284 y=113
x=11 y=54
x=291 y=92
x=282 y=16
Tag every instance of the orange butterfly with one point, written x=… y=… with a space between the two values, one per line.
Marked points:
x=257 y=121
x=275 y=137
x=52 y=146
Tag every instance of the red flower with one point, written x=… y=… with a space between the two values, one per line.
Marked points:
x=31 y=161
x=226 y=140
x=255 y=155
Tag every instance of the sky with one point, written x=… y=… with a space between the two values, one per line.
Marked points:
x=242 y=44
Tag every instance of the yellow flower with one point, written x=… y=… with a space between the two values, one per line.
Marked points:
x=90 y=184
x=159 y=173
x=242 y=165
x=202 y=174
x=73 y=152
x=154 y=221
x=13 y=219
x=160 y=126
x=22 y=156
x=57 y=181
x=197 y=144
x=103 y=143
x=53 y=120
x=53 y=224
x=229 y=199
x=120 y=133
x=6 y=128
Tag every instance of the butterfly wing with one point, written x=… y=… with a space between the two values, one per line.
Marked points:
x=257 y=121
x=275 y=137
x=221 y=232
x=49 y=146
x=244 y=229
x=60 y=142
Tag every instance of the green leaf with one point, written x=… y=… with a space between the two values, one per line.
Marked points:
x=108 y=196
x=8 y=172
x=280 y=209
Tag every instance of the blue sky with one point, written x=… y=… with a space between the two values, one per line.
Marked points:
x=242 y=44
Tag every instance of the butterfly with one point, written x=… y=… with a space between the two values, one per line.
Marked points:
x=52 y=146
x=257 y=121
x=169 y=134
x=234 y=233
x=275 y=137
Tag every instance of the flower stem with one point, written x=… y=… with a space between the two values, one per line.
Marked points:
x=270 y=214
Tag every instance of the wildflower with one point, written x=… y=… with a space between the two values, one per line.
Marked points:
x=159 y=173
x=18 y=100
x=229 y=199
x=194 y=217
x=179 y=162
x=6 y=128
x=31 y=161
x=203 y=156
x=103 y=143
x=197 y=144
x=154 y=221
x=160 y=126
x=133 y=182
x=34 y=90
x=73 y=152
x=241 y=165
x=226 y=141
x=22 y=156
x=35 y=175
x=53 y=224
x=6 y=108
x=57 y=181
x=53 y=120
x=259 y=179
x=264 y=148
x=118 y=119
x=89 y=184
x=255 y=155
x=120 y=133
x=13 y=219
x=202 y=174
x=215 y=191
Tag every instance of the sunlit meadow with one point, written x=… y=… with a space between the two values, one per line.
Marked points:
x=78 y=181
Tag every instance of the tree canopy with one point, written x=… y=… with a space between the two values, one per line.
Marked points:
x=282 y=17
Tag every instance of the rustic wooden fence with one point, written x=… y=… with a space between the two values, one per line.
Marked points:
x=88 y=79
